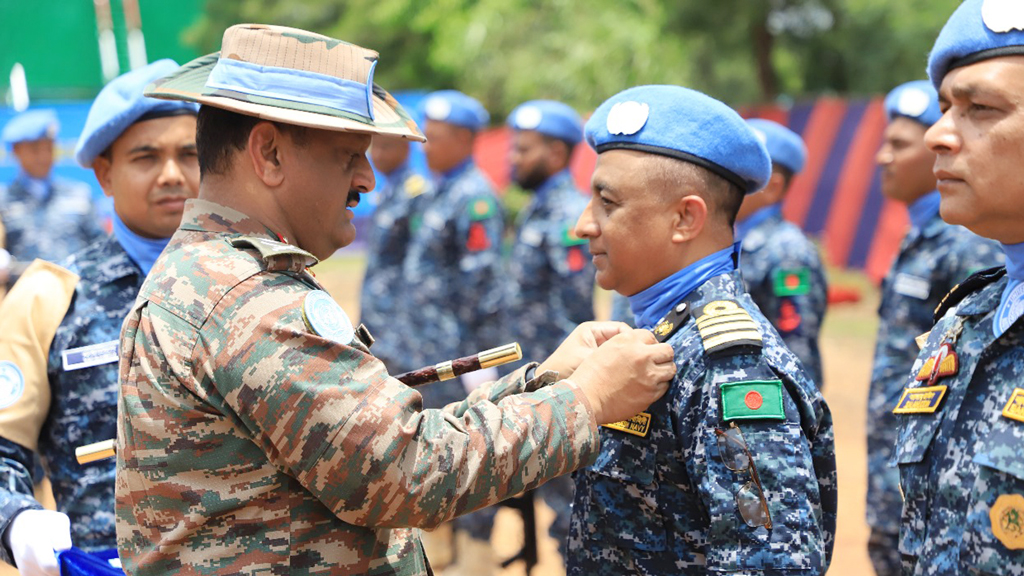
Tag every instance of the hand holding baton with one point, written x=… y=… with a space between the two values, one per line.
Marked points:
x=436 y=373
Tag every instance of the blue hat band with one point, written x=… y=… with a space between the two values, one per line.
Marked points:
x=729 y=175
x=294 y=85
x=985 y=55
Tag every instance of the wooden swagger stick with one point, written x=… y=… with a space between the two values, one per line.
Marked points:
x=436 y=373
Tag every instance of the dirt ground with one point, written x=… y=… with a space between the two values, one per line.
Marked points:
x=847 y=348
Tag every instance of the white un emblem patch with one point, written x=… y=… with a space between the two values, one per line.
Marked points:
x=627 y=118
x=325 y=318
x=12 y=383
x=1003 y=15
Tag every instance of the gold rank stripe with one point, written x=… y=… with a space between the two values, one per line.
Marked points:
x=719 y=318
x=638 y=425
x=1014 y=409
x=731 y=326
x=715 y=341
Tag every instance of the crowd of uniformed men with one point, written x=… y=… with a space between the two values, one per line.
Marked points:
x=257 y=431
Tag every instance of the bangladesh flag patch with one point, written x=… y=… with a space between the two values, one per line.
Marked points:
x=753 y=400
x=481 y=209
x=569 y=237
x=792 y=281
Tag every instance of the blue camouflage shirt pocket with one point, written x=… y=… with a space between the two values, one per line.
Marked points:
x=623 y=505
x=993 y=541
x=916 y=432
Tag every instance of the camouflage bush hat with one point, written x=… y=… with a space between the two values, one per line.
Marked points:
x=291 y=76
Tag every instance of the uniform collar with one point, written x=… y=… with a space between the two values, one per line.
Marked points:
x=457 y=171
x=207 y=216
x=1014 y=260
x=106 y=262
x=983 y=301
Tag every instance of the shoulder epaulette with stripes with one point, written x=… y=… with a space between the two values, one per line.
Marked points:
x=724 y=324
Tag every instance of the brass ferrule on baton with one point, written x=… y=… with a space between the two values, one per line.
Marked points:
x=452 y=368
x=95 y=451
x=500 y=355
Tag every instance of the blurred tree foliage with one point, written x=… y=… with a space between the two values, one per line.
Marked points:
x=583 y=51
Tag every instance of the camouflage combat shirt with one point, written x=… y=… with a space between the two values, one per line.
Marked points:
x=250 y=443
x=660 y=499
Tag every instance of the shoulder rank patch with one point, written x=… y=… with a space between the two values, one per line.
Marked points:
x=482 y=208
x=415 y=185
x=325 y=318
x=12 y=383
x=1007 y=517
x=1014 y=409
x=672 y=321
x=791 y=281
x=569 y=237
x=270 y=248
x=638 y=425
x=723 y=324
x=924 y=400
x=752 y=400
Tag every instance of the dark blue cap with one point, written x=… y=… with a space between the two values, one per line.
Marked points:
x=684 y=124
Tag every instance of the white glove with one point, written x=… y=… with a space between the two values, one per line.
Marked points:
x=35 y=537
x=474 y=380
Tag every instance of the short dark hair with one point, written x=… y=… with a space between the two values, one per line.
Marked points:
x=220 y=132
x=722 y=195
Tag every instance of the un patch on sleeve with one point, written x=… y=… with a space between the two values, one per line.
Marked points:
x=325 y=318
x=12 y=383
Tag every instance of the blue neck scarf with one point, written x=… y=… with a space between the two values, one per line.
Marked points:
x=924 y=209
x=39 y=188
x=654 y=303
x=142 y=251
x=743 y=228
x=1011 y=303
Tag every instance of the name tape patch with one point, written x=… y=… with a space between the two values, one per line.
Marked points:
x=924 y=400
x=638 y=425
x=89 y=356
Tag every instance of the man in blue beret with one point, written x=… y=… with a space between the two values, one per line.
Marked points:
x=44 y=216
x=781 y=266
x=960 y=416
x=454 y=257
x=933 y=258
x=383 y=300
x=733 y=470
x=59 y=325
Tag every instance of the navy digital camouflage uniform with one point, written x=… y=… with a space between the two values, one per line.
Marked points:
x=665 y=503
x=621 y=311
x=50 y=228
x=784 y=275
x=961 y=466
x=931 y=260
x=454 y=263
x=384 y=301
x=83 y=406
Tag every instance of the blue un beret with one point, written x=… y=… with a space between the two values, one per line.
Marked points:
x=454 y=107
x=31 y=125
x=121 y=104
x=684 y=124
x=916 y=100
x=548 y=117
x=785 y=147
x=977 y=30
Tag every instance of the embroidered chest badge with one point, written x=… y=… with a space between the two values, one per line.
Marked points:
x=1007 y=517
x=1014 y=409
x=638 y=425
x=940 y=365
x=943 y=363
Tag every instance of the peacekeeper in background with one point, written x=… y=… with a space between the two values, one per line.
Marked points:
x=384 y=300
x=781 y=266
x=454 y=258
x=59 y=326
x=733 y=470
x=256 y=431
x=961 y=416
x=933 y=258
x=44 y=216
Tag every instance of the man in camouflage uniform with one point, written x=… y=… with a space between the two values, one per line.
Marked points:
x=383 y=301
x=781 y=266
x=256 y=432
x=733 y=470
x=59 y=326
x=454 y=258
x=961 y=415
x=44 y=216
x=933 y=257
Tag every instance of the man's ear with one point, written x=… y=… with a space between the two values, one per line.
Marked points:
x=689 y=218
x=264 y=152
x=101 y=166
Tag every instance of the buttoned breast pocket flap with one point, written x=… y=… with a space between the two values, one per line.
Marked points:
x=993 y=537
x=916 y=435
x=624 y=508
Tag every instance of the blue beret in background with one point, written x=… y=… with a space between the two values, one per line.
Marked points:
x=548 y=117
x=785 y=147
x=31 y=125
x=454 y=107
